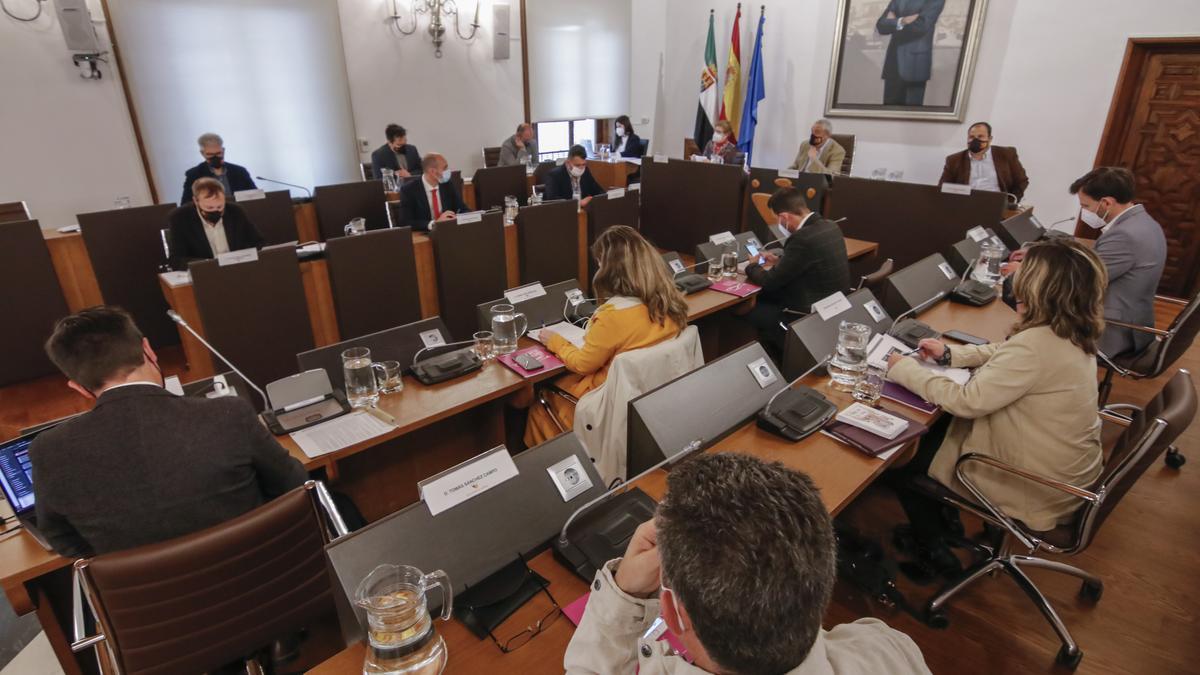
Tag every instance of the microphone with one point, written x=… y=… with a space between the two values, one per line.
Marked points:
x=936 y=296
x=184 y=324
x=767 y=408
x=279 y=182
x=422 y=350
x=963 y=279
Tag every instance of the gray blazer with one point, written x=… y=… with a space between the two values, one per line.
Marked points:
x=510 y=154
x=1134 y=250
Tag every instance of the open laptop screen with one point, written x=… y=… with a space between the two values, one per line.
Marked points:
x=16 y=478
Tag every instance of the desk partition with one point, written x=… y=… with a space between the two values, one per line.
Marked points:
x=910 y=221
x=492 y=185
x=814 y=185
x=274 y=216
x=255 y=312
x=548 y=242
x=125 y=247
x=684 y=202
x=394 y=344
x=813 y=338
x=543 y=310
x=470 y=263
x=14 y=212
x=338 y=204
x=373 y=277
x=30 y=304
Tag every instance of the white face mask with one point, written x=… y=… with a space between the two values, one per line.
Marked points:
x=718 y=137
x=1091 y=218
x=619 y=131
x=575 y=171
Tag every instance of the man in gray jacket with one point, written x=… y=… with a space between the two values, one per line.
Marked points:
x=519 y=148
x=1133 y=248
x=739 y=563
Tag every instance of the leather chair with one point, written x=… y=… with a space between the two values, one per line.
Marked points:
x=542 y=170
x=645 y=147
x=847 y=143
x=197 y=602
x=366 y=171
x=12 y=212
x=875 y=279
x=1148 y=432
x=690 y=147
x=491 y=156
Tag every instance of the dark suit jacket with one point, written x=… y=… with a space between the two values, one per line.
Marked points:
x=188 y=241
x=239 y=178
x=813 y=266
x=145 y=466
x=910 y=50
x=558 y=184
x=1009 y=172
x=415 y=209
x=384 y=158
x=633 y=147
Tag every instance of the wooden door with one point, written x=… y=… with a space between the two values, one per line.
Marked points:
x=1153 y=130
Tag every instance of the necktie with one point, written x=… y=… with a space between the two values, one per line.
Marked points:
x=437 y=206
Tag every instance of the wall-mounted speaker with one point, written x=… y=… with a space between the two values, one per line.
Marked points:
x=77 y=26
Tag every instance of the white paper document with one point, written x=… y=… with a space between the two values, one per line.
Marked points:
x=882 y=345
x=340 y=432
x=570 y=332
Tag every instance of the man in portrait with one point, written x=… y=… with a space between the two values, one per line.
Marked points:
x=909 y=60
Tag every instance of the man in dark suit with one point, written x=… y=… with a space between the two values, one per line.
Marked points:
x=233 y=178
x=984 y=166
x=396 y=154
x=144 y=465
x=572 y=178
x=431 y=199
x=208 y=226
x=813 y=266
x=909 y=61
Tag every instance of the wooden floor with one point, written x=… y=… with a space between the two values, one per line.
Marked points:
x=1148 y=554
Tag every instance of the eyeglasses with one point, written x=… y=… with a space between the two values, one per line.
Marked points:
x=521 y=639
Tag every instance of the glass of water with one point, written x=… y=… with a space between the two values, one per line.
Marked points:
x=511 y=206
x=393 y=377
x=729 y=263
x=990 y=258
x=714 y=269
x=536 y=197
x=850 y=357
x=356 y=226
x=508 y=325
x=483 y=345
x=870 y=386
x=362 y=389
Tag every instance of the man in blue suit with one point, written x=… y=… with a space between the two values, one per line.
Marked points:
x=909 y=60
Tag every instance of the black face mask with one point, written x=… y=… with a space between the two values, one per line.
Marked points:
x=213 y=217
x=975 y=145
x=216 y=161
x=814 y=141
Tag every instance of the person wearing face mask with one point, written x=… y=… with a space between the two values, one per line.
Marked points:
x=232 y=178
x=432 y=199
x=984 y=166
x=740 y=562
x=1133 y=248
x=520 y=148
x=723 y=144
x=628 y=144
x=573 y=178
x=208 y=226
x=813 y=266
x=820 y=153
x=396 y=154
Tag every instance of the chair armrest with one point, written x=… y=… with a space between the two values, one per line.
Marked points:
x=1115 y=418
x=1141 y=329
x=542 y=392
x=558 y=391
x=81 y=640
x=1171 y=301
x=331 y=511
x=796 y=312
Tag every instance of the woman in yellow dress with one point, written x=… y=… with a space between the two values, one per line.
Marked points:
x=641 y=308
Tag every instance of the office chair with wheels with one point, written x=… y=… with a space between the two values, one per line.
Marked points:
x=491 y=156
x=875 y=279
x=197 y=602
x=1147 y=434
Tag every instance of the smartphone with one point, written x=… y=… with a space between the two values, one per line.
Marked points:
x=527 y=362
x=965 y=338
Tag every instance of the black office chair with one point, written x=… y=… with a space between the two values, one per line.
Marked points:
x=1148 y=433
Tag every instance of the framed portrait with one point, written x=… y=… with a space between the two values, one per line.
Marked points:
x=904 y=59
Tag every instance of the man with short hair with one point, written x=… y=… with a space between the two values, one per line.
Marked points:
x=144 y=465
x=573 y=180
x=432 y=199
x=820 y=153
x=813 y=266
x=1133 y=248
x=984 y=166
x=740 y=562
x=520 y=148
x=233 y=178
x=209 y=226
x=396 y=154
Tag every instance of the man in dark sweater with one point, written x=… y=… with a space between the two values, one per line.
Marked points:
x=232 y=177
x=144 y=465
x=813 y=266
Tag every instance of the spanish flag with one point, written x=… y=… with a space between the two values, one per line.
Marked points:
x=731 y=104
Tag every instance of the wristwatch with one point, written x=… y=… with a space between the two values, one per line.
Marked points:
x=944 y=359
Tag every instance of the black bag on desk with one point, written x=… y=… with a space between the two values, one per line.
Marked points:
x=484 y=606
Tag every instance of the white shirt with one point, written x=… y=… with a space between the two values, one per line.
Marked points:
x=130 y=384
x=215 y=233
x=1132 y=209
x=621 y=145
x=983 y=172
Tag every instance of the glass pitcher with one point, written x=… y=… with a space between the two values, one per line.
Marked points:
x=508 y=325
x=850 y=358
x=401 y=639
x=362 y=387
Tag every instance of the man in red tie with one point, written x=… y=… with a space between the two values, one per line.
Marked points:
x=431 y=199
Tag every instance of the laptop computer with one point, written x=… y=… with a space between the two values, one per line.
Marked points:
x=16 y=480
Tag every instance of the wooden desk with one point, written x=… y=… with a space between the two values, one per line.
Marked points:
x=613 y=174
x=468 y=189
x=857 y=248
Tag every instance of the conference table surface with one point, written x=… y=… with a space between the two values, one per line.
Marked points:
x=839 y=471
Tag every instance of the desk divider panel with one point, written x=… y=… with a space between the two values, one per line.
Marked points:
x=394 y=344
x=548 y=241
x=32 y=301
x=684 y=202
x=255 y=313
x=338 y=204
x=469 y=541
x=471 y=269
x=540 y=311
x=910 y=221
x=374 y=281
x=812 y=338
x=603 y=212
x=493 y=184
x=125 y=247
x=14 y=212
x=274 y=216
x=814 y=185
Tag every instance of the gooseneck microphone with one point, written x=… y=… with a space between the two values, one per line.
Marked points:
x=810 y=371
x=279 y=182
x=936 y=296
x=184 y=324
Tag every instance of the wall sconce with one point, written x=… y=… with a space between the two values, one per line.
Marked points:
x=436 y=9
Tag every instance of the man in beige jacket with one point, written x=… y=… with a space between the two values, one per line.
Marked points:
x=740 y=563
x=820 y=153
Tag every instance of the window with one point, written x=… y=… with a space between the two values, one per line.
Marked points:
x=556 y=138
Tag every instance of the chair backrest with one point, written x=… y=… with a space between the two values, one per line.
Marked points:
x=875 y=279
x=194 y=603
x=602 y=415
x=33 y=300
x=366 y=171
x=491 y=156
x=11 y=212
x=645 y=147
x=1183 y=331
x=542 y=170
x=690 y=147
x=274 y=216
x=847 y=143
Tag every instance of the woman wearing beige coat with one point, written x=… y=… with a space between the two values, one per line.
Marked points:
x=1031 y=403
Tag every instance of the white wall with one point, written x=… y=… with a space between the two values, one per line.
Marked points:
x=454 y=105
x=1044 y=79
x=647 y=70
x=68 y=145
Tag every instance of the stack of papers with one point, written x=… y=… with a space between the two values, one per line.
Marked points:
x=569 y=331
x=883 y=345
x=340 y=432
x=873 y=420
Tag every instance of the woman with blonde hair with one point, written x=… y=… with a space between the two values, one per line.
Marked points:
x=641 y=307
x=1031 y=403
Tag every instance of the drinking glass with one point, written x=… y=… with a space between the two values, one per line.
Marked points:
x=536 y=198
x=362 y=389
x=715 y=267
x=990 y=258
x=511 y=207
x=356 y=226
x=850 y=357
x=870 y=386
x=483 y=345
x=393 y=377
x=508 y=325
x=729 y=263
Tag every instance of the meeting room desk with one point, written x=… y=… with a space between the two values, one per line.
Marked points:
x=468 y=190
x=614 y=174
x=840 y=472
